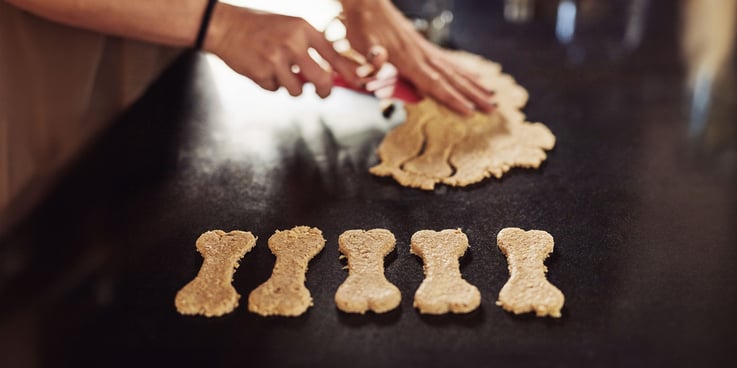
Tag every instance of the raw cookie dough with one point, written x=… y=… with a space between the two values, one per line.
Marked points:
x=211 y=293
x=527 y=289
x=403 y=142
x=366 y=287
x=495 y=147
x=441 y=137
x=443 y=290
x=285 y=293
x=436 y=145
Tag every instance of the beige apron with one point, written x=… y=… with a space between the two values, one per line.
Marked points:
x=59 y=87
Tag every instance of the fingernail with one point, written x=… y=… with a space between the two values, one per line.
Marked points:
x=469 y=112
x=374 y=51
x=372 y=54
x=363 y=71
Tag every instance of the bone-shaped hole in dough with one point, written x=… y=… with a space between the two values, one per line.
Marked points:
x=441 y=137
x=404 y=142
x=366 y=288
x=527 y=289
x=285 y=293
x=211 y=293
x=443 y=290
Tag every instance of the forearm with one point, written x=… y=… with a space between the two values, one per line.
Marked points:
x=168 y=22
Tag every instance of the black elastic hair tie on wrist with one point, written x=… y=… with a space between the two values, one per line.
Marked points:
x=205 y=24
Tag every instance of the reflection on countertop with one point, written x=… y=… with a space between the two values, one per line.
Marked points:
x=708 y=36
x=708 y=32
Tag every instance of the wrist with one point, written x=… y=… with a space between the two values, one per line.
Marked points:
x=218 y=28
x=205 y=23
x=350 y=5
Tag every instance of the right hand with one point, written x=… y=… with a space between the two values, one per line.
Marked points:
x=264 y=47
x=378 y=27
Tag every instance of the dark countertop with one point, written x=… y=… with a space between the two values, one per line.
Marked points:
x=640 y=194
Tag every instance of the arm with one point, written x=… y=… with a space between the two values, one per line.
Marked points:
x=168 y=22
x=264 y=46
x=261 y=46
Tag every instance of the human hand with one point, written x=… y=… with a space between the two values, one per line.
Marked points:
x=373 y=24
x=264 y=47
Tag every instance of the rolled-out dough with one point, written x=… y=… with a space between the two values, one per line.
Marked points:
x=435 y=145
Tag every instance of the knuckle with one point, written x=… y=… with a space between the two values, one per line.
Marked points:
x=261 y=76
x=295 y=45
x=268 y=85
x=298 y=23
x=433 y=77
x=438 y=90
x=294 y=27
x=323 y=80
x=323 y=89
x=272 y=54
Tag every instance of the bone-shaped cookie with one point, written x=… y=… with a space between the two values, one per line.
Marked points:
x=366 y=287
x=285 y=293
x=527 y=289
x=211 y=293
x=443 y=290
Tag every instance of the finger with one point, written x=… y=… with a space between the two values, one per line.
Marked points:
x=267 y=83
x=286 y=78
x=387 y=71
x=430 y=82
x=353 y=55
x=477 y=96
x=377 y=56
x=471 y=77
x=473 y=93
x=342 y=65
x=374 y=61
x=365 y=71
x=313 y=73
x=475 y=80
x=380 y=83
x=445 y=93
x=385 y=76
